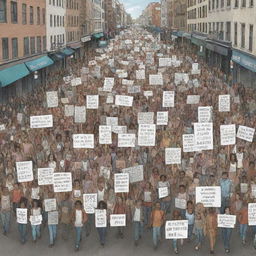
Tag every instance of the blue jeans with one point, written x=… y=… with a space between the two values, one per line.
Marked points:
x=199 y=236
x=190 y=230
x=156 y=235
x=138 y=229
x=6 y=218
x=174 y=244
x=52 y=233
x=165 y=205
x=89 y=224
x=243 y=231
x=23 y=232
x=226 y=235
x=102 y=234
x=147 y=214
x=35 y=231
x=78 y=236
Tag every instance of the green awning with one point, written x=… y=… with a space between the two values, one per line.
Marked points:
x=57 y=56
x=67 y=51
x=198 y=40
x=39 y=63
x=103 y=43
x=12 y=74
x=98 y=35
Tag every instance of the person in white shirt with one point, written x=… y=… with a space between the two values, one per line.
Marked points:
x=137 y=218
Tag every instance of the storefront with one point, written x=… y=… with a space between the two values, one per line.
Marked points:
x=199 y=42
x=218 y=54
x=244 y=68
x=86 y=44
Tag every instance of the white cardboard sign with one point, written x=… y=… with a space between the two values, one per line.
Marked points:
x=156 y=79
x=126 y=140
x=135 y=173
x=44 y=121
x=176 y=229
x=83 y=140
x=228 y=134
x=226 y=221
x=80 y=114
x=90 y=202
x=62 y=182
x=22 y=215
x=209 y=196
x=188 y=141
x=252 y=214
x=146 y=117
x=24 y=171
x=100 y=218
x=123 y=100
x=204 y=114
x=162 y=118
x=203 y=136
x=168 y=99
x=52 y=99
x=45 y=176
x=53 y=218
x=117 y=220
x=50 y=204
x=121 y=182
x=147 y=135
x=172 y=155
x=245 y=133
x=92 y=101
x=105 y=135
x=224 y=103
x=163 y=192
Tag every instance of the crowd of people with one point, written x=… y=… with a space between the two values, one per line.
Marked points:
x=231 y=167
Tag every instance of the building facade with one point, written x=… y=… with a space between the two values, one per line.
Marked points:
x=180 y=15
x=98 y=16
x=55 y=24
x=151 y=15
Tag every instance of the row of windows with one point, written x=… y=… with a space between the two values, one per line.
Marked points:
x=31 y=45
x=57 y=21
x=57 y=41
x=216 y=4
x=38 y=19
x=194 y=2
x=73 y=21
x=72 y=4
x=59 y=3
x=200 y=12
x=72 y=36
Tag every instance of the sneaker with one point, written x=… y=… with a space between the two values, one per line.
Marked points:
x=76 y=249
x=197 y=248
x=176 y=251
x=211 y=252
x=227 y=250
x=243 y=242
x=102 y=244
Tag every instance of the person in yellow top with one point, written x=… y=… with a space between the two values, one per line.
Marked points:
x=157 y=221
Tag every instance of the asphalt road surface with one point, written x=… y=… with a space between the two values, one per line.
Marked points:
x=10 y=245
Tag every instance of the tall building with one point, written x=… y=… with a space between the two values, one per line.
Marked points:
x=98 y=16
x=151 y=15
x=55 y=24
x=180 y=15
x=166 y=14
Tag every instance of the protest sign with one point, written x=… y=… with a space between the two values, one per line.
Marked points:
x=50 y=204
x=83 y=140
x=108 y=84
x=180 y=203
x=133 y=89
x=76 y=81
x=117 y=220
x=140 y=74
x=156 y=79
x=69 y=110
x=126 y=140
x=24 y=171
x=92 y=101
x=123 y=100
x=44 y=121
x=146 y=117
x=188 y=141
x=226 y=221
x=53 y=218
x=253 y=190
x=127 y=82
x=121 y=182
x=204 y=114
x=36 y=219
x=203 y=136
x=105 y=135
x=119 y=129
x=100 y=218
x=62 y=182
x=105 y=172
x=45 y=176
x=176 y=229
x=165 y=62
x=193 y=99
x=80 y=114
x=228 y=134
x=147 y=135
x=209 y=196
x=252 y=214
x=135 y=173
x=163 y=192
x=90 y=202
x=245 y=133
x=22 y=215
x=110 y=99
x=2 y=127
x=180 y=78
x=224 y=103
x=172 y=155
x=111 y=121
x=168 y=99
x=162 y=118
x=52 y=99
x=148 y=94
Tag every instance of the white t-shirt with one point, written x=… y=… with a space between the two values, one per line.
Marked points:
x=136 y=216
x=79 y=218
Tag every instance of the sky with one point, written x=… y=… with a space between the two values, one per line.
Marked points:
x=135 y=7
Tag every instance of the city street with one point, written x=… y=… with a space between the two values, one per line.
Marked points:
x=125 y=247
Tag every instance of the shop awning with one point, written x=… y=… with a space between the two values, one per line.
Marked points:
x=98 y=35
x=76 y=45
x=12 y=74
x=198 y=40
x=57 y=56
x=174 y=33
x=180 y=33
x=221 y=48
x=39 y=63
x=186 y=35
x=67 y=51
x=243 y=59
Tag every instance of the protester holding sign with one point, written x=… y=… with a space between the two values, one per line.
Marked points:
x=226 y=233
x=176 y=216
x=137 y=217
x=22 y=219
x=36 y=220
x=102 y=230
x=120 y=209
x=65 y=216
x=243 y=221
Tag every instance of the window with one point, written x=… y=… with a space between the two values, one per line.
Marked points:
x=242 y=35
x=235 y=34
x=228 y=3
x=31 y=15
x=236 y=3
x=14 y=48
x=26 y=46
x=54 y=20
x=43 y=14
x=38 y=44
x=38 y=15
x=217 y=4
x=53 y=2
x=251 y=3
x=58 y=21
x=250 y=37
x=2 y=11
x=243 y=3
x=51 y=20
x=14 y=12
x=5 y=48
x=228 y=31
x=32 y=45
x=44 y=43
x=24 y=14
